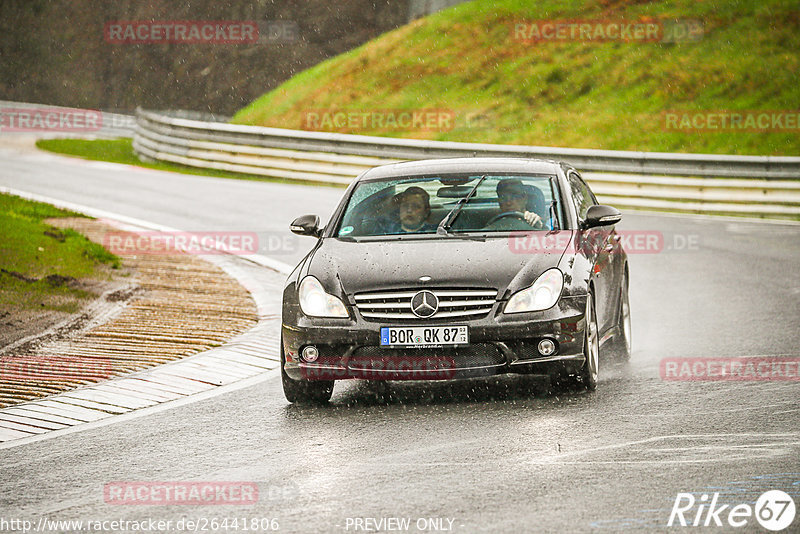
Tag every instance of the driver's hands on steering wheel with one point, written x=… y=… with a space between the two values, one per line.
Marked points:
x=533 y=219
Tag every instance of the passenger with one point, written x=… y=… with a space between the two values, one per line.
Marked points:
x=414 y=210
x=517 y=202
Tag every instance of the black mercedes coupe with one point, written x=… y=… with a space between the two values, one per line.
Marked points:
x=457 y=268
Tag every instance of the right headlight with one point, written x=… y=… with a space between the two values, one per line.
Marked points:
x=543 y=294
x=315 y=302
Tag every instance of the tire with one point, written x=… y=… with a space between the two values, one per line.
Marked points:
x=586 y=377
x=622 y=341
x=304 y=391
x=591 y=348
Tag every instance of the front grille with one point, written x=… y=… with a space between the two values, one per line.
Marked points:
x=471 y=303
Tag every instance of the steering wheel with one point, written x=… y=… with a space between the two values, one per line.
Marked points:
x=516 y=214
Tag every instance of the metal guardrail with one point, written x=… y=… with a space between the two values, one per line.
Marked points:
x=651 y=180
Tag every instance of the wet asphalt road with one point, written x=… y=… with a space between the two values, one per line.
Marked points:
x=504 y=455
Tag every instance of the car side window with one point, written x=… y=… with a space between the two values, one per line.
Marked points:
x=581 y=194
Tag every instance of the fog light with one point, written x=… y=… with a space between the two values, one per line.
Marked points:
x=547 y=347
x=310 y=354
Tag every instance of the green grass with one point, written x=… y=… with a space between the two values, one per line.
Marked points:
x=121 y=151
x=38 y=261
x=609 y=95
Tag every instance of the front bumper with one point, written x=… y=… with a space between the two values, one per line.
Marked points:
x=499 y=344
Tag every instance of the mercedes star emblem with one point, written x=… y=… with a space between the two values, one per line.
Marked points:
x=424 y=304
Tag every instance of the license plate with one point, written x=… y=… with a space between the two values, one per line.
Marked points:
x=423 y=336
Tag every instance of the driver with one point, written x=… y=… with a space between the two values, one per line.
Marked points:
x=514 y=199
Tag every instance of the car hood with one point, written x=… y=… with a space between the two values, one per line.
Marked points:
x=497 y=262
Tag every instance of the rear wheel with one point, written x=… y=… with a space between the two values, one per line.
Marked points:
x=304 y=391
x=622 y=341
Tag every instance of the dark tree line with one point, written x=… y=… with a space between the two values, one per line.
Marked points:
x=55 y=51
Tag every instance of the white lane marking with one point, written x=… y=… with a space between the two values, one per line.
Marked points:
x=30 y=421
x=139 y=390
x=95 y=406
x=182 y=386
x=33 y=414
x=8 y=434
x=164 y=406
x=10 y=425
x=63 y=409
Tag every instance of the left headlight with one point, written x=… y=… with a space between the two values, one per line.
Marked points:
x=315 y=302
x=543 y=294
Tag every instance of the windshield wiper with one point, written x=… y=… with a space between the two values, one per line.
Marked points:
x=447 y=222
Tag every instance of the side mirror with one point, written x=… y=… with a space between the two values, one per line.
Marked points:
x=599 y=215
x=306 y=225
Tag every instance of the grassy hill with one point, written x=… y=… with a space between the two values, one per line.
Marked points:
x=467 y=62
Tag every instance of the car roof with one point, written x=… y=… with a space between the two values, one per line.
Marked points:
x=463 y=165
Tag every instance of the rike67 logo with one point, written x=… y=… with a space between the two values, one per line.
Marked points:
x=774 y=510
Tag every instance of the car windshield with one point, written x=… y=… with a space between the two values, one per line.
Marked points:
x=418 y=205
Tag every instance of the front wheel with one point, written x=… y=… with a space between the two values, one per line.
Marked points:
x=304 y=391
x=591 y=348
x=586 y=377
